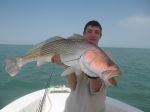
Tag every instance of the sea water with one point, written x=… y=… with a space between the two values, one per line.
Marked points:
x=133 y=86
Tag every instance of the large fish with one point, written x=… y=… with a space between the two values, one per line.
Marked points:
x=75 y=52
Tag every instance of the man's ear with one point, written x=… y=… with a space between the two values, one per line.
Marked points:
x=100 y=34
x=83 y=33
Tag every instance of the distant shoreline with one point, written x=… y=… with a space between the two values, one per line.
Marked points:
x=101 y=46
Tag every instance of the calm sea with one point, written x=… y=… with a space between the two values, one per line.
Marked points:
x=133 y=87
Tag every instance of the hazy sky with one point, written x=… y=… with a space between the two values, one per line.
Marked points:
x=126 y=23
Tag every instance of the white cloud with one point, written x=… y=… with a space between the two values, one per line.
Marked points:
x=138 y=24
x=134 y=31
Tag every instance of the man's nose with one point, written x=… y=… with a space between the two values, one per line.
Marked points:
x=93 y=35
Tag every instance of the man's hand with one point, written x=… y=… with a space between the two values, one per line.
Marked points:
x=72 y=81
x=56 y=59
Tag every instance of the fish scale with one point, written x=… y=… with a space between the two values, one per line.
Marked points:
x=55 y=47
x=72 y=51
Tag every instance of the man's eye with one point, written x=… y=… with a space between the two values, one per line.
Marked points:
x=89 y=31
x=97 y=32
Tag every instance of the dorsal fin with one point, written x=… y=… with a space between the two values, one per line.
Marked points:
x=51 y=39
x=76 y=36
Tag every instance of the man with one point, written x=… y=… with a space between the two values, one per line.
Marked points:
x=88 y=93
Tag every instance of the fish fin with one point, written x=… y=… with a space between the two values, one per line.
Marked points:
x=13 y=65
x=44 y=60
x=68 y=71
x=109 y=55
x=39 y=45
x=75 y=36
x=52 y=39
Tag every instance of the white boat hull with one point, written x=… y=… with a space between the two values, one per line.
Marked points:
x=55 y=102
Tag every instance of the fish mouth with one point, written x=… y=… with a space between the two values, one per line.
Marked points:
x=111 y=76
x=112 y=73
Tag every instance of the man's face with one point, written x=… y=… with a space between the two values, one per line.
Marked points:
x=92 y=34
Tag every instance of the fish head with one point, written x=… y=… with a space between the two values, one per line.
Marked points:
x=102 y=65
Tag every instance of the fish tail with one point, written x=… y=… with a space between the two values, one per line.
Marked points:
x=13 y=65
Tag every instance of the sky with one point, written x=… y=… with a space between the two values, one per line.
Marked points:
x=125 y=23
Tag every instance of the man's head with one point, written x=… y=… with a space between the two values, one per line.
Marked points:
x=92 y=31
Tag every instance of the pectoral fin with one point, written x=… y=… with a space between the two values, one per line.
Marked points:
x=68 y=71
x=43 y=60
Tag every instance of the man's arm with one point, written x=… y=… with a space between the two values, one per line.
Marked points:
x=71 y=78
x=72 y=81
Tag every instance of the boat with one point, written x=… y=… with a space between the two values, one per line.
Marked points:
x=53 y=100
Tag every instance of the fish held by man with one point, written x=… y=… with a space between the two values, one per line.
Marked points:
x=75 y=52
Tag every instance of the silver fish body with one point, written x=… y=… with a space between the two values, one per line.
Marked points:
x=71 y=50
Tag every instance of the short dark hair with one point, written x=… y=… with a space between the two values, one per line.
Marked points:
x=93 y=23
